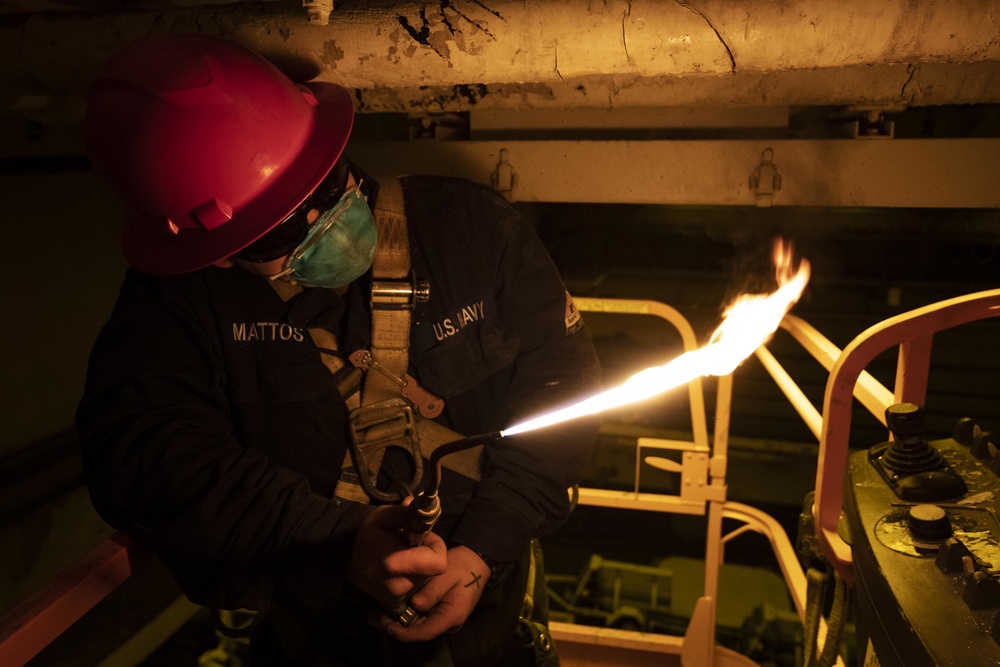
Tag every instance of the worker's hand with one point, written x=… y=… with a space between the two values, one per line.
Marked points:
x=446 y=600
x=383 y=566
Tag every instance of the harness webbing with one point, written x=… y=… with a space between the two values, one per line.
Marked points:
x=389 y=347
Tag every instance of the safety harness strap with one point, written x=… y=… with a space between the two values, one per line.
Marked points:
x=381 y=412
x=392 y=295
x=348 y=380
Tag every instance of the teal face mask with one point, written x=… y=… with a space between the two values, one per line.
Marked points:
x=339 y=247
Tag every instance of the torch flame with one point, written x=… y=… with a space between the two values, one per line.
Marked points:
x=748 y=323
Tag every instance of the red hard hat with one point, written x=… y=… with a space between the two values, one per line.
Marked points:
x=208 y=146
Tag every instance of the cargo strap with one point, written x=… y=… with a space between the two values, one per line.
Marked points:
x=382 y=414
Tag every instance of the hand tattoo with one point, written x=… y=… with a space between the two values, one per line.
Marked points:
x=475 y=579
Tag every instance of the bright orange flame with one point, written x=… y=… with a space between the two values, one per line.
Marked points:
x=748 y=323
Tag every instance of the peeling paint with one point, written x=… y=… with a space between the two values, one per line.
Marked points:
x=455 y=98
x=471 y=93
x=419 y=35
x=332 y=53
x=437 y=30
x=392 y=52
x=441 y=43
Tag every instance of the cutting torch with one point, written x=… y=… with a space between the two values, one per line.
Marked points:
x=425 y=509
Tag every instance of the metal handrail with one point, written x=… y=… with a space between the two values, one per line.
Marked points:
x=703 y=492
x=912 y=332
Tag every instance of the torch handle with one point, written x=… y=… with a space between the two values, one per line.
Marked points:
x=424 y=511
x=421 y=515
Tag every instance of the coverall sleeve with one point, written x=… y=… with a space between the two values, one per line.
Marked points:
x=161 y=462
x=526 y=478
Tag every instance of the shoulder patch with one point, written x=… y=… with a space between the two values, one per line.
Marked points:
x=429 y=333
x=574 y=320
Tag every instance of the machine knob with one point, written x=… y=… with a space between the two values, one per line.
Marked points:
x=982 y=591
x=966 y=429
x=984 y=444
x=954 y=557
x=931 y=486
x=928 y=524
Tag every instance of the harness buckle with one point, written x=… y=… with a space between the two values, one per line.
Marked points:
x=399 y=294
x=427 y=404
x=374 y=429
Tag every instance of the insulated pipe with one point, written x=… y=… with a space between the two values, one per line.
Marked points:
x=381 y=44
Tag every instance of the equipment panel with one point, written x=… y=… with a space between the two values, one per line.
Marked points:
x=926 y=543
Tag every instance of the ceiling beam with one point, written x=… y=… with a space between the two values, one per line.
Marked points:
x=905 y=173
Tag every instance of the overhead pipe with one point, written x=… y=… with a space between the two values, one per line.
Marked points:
x=382 y=46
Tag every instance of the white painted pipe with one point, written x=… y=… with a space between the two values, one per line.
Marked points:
x=465 y=42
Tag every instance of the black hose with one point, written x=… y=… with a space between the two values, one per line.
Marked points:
x=425 y=508
x=451 y=448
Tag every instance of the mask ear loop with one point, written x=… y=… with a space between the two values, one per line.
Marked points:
x=327 y=220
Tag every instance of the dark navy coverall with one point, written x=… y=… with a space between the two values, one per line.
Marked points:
x=213 y=431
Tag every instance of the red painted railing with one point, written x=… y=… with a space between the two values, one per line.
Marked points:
x=37 y=621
